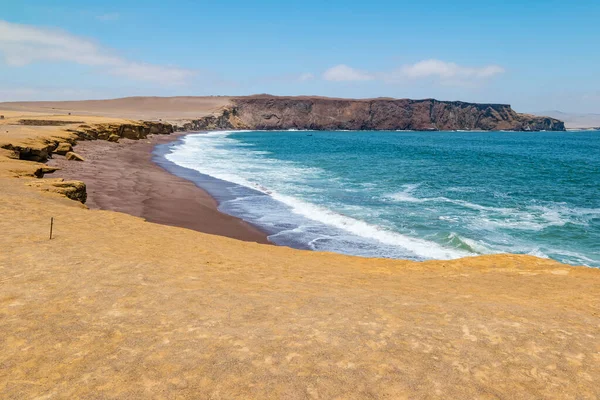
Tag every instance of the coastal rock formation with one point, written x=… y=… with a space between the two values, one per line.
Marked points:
x=134 y=131
x=26 y=144
x=74 y=190
x=38 y=152
x=72 y=156
x=63 y=148
x=41 y=171
x=158 y=128
x=41 y=150
x=227 y=119
x=318 y=113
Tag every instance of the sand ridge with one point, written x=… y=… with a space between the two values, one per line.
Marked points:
x=146 y=108
x=118 y=307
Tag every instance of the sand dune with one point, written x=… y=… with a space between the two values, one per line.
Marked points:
x=148 y=108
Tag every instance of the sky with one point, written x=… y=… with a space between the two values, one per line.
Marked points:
x=536 y=55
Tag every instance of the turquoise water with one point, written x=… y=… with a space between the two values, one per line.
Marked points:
x=416 y=195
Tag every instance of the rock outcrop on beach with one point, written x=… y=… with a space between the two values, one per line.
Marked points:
x=72 y=156
x=63 y=148
x=319 y=113
x=134 y=131
x=41 y=150
x=71 y=189
x=27 y=143
x=36 y=151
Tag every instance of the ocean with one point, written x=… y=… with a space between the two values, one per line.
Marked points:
x=409 y=195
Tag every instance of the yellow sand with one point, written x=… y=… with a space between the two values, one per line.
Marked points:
x=148 y=108
x=116 y=307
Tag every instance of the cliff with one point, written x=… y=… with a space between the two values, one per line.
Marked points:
x=27 y=143
x=271 y=112
x=41 y=150
x=318 y=113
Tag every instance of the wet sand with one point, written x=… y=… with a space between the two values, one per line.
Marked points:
x=122 y=177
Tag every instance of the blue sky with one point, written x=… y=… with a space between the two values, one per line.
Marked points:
x=536 y=55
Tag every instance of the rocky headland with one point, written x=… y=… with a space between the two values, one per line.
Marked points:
x=266 y=112
x=320 y=113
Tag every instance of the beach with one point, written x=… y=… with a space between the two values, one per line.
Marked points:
x=117 y=305
x=122 y=177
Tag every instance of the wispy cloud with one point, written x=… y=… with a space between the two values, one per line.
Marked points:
x=283 y=78
x=344 y=73
x=43 y=93
x=306 y=77
x=108 y=17
x=444 y=72
x=23 y=44
x=154 y=73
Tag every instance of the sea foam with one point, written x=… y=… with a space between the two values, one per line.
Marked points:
x=212 y=155
x=404 y=194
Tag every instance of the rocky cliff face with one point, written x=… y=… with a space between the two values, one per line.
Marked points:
x=129 y=131
x=272 y=113
x=42 y=150
x=227 y=119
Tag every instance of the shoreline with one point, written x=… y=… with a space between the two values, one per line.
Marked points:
x=194 y=154
x=123 y=177
x=161 y=191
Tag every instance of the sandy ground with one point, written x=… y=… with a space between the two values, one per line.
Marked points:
x=118 y=307
x=122 y=177
x=146 y=108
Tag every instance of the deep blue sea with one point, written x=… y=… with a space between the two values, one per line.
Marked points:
x=414 y=195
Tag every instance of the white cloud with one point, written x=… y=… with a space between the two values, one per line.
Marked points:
x=108 y=17
x=17 y=94
x=445 y=72
x=22 y=44
x=154 y=73
x=306 y=77
x=344 y=73
x=43 y=93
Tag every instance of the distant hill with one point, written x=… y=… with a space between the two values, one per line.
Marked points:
x=303 y=112
x=320 y=113
x=573 y=120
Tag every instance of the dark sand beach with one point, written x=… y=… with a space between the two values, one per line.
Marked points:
x=122 y=177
